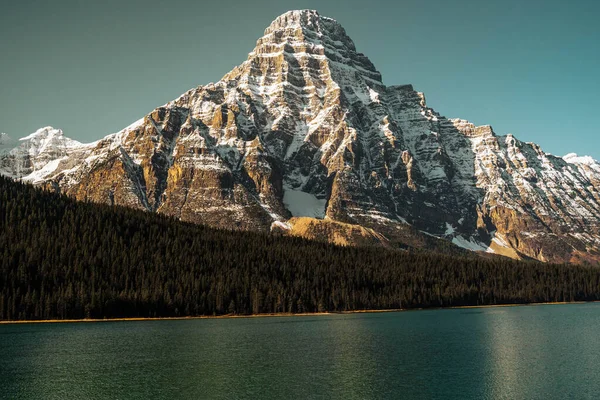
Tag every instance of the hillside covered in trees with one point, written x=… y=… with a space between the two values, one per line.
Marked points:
x=64 y=259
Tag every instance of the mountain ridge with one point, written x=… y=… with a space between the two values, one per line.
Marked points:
x=306 y=128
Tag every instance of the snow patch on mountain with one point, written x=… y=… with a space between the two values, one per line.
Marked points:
x=469 y=244
x=302 y=204
x=42 y=173
x=286 y=226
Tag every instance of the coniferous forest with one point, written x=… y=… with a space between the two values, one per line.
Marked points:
x=62 y=259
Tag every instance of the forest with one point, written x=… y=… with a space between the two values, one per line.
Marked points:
x=62 y=259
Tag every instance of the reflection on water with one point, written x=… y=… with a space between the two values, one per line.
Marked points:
x=545 y=352
x=539 y=352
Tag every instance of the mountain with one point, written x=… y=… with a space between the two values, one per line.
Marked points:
x=306 y=128
x=6 y=143
x=37 y=155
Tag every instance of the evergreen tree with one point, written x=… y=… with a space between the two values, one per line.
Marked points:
x=65 y=259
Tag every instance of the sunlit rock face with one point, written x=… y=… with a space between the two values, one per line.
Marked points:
x=306 y=128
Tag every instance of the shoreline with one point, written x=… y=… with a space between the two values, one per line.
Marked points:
x=270 y=315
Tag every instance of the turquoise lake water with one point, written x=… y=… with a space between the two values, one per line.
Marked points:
x=532 y=352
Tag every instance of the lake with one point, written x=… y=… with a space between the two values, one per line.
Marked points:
x=530 y=352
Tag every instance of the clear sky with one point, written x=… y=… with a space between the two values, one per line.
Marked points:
x=527 y=67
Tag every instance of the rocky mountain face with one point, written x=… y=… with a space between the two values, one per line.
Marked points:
x=306 y=128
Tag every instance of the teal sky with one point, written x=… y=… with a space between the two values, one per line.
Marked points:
x=91 y=68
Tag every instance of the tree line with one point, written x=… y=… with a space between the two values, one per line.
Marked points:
x=62 y=259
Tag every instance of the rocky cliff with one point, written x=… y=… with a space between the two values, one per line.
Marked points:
x=306 y=128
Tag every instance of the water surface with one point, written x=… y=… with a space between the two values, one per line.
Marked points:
x=533 y=352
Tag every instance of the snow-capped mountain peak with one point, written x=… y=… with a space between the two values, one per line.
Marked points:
x=37 y=155
x=305 y=130
x=573 y=158
x=47 y=139
x=6 y=142
x=42 y=133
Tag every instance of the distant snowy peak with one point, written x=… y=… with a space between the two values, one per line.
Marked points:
x=573 y=158
x=46 y=139
x=6 y=142
x=43 y=133
x=35 y=156
x=588 y=166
